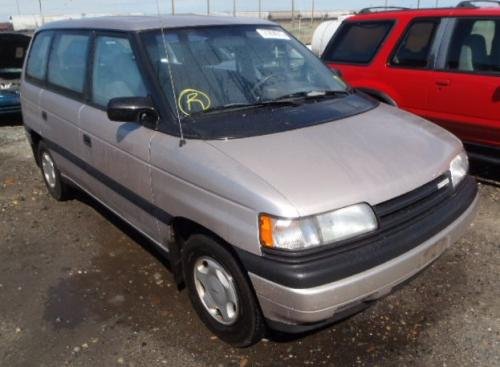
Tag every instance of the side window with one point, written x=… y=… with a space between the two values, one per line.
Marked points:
x=475 y=46
x=68 y=61
x=414 y=49
x=358 y=43
x=115 y=71
x=37 y=59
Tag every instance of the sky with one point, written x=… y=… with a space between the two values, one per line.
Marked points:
x=58 y=7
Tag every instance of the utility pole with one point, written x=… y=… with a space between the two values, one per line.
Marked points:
x=312 y=12
x=418 y=4
x=437 y=3
x=173 y=7
x=18 y=8
x=234 y=8
x=208 y=7
x=260 y=8
x=40 y=8
x=293 y=11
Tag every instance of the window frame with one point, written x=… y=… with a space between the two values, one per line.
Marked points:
x=392 y=25
x=33 y=79
x=445 y=47
x=90 y=76
x=66 y=92
x=435 y=41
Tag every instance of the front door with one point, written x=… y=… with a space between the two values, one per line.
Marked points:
x=409 y=70
x=118 y=153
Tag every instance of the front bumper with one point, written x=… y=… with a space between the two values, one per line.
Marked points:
x=7 y=110
x=286 y=305
x=9 y=102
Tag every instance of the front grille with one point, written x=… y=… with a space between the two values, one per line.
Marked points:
x=413 y=204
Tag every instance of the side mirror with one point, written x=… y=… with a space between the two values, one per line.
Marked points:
x=133 y=109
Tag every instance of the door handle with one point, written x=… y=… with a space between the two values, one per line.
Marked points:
x=442 y=83
x=86 y=140
x=44 y=116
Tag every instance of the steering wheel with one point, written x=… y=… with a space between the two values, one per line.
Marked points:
x=262 y=82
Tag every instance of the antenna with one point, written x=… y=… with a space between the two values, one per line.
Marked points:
x=182 y=141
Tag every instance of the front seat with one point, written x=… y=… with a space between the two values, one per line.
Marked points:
x=473 y=54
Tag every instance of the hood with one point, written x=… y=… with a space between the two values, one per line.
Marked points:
x=371 y=157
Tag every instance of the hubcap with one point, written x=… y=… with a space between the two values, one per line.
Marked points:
x=216 y=290
x=49 y=170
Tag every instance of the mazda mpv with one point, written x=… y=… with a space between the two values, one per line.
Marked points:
x=282 y=198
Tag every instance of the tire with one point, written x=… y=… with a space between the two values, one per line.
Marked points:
x=246 y=327
x=57 y=188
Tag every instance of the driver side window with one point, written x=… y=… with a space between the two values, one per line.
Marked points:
x=115 y=73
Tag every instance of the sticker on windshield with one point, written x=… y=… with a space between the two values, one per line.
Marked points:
x=192 y=100
x=273 y=33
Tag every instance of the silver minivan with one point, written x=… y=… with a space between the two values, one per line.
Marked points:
x=282 y=198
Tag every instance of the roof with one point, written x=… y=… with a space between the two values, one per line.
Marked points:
x=137 y=23
x=429 y=12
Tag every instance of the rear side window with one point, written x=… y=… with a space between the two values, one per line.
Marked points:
x=68 y=60
x=358 y=43
x=37 y=60
x=475 y=46
x=115 y=71
x=413 y=51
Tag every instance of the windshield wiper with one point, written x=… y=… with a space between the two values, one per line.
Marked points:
x=315 y=94
x=292 y=99
x=242 y=106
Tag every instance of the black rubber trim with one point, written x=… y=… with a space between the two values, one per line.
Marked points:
x=325 y=267
x=117 y=187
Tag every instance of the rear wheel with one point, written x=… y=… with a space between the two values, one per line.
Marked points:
x=51 y=174
x=220 y=293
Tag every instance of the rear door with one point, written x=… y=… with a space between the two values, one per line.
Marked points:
x=118 y=153
x=465 y=97
x=62 y=99
x=34 y=81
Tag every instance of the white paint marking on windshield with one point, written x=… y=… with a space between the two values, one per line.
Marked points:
x=273 y=33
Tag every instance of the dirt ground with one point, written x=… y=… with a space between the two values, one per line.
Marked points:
x=80 y=288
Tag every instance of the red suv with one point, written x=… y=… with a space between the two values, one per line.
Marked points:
x=442 y=64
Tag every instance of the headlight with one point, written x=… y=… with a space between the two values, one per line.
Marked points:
x=459 y=167
x=301 y=233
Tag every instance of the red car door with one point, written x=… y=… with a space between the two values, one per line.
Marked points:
x=408 y=70
x=465 y=97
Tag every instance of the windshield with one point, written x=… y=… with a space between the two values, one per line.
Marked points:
x=227 y=67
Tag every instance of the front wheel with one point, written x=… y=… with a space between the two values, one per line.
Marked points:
x=220 y=293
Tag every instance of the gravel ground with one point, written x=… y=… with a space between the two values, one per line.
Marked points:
x=80 y=288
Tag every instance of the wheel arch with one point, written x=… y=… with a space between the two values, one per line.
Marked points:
x=181 y=229
x=34 y=139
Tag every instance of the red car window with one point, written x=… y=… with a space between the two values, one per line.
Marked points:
x=415 y=46
x=475 y=46
x=358 y=42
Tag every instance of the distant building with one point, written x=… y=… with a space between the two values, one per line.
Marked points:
x=33 y=21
